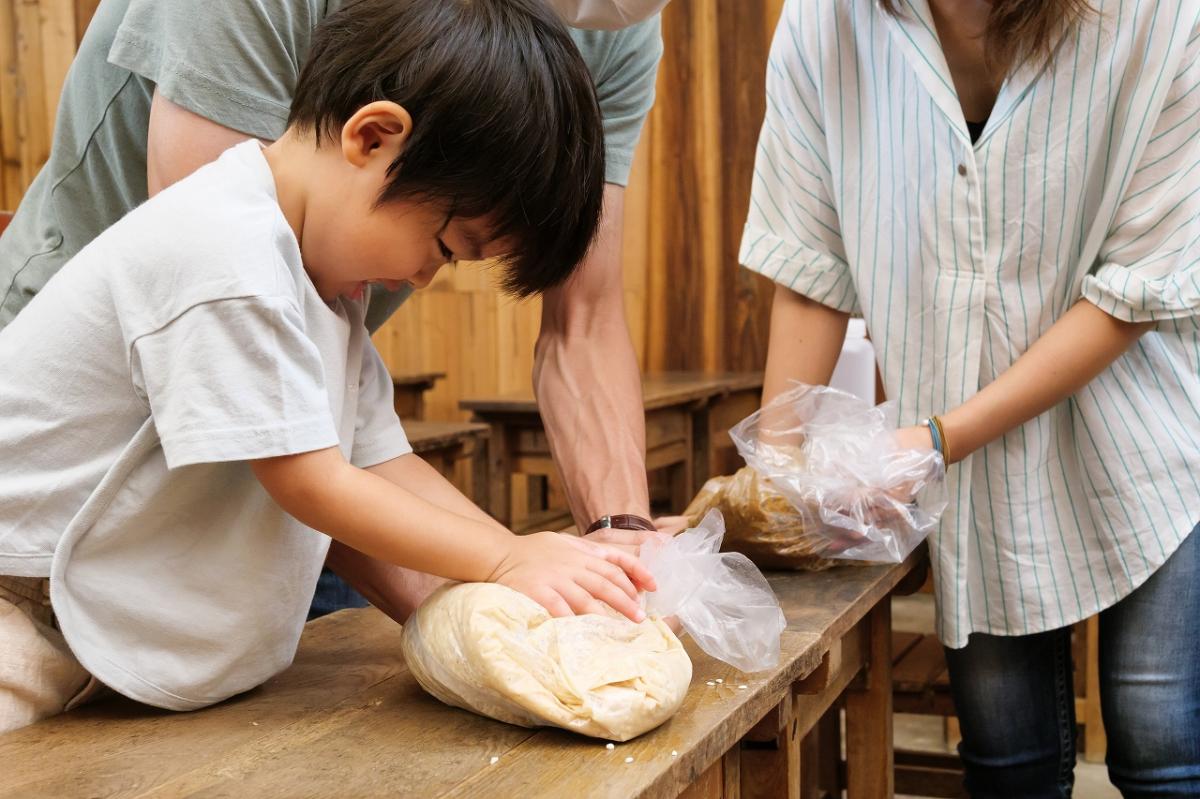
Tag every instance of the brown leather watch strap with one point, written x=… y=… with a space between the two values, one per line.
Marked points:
x=621 y=521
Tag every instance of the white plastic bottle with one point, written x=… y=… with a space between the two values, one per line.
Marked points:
x=855 y=370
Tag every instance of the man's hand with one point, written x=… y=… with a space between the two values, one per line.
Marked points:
x=568 y=575
x=625 y=540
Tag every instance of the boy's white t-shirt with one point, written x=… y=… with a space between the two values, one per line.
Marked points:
x=181 y=343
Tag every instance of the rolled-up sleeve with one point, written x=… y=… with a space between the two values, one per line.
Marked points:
x=793 y=233
x=1149 y=265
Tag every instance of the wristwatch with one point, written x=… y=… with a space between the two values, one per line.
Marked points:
x=621 y=521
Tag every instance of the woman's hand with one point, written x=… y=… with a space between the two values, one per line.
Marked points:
x=670 y=525
x=915 y=437
x=569 y=575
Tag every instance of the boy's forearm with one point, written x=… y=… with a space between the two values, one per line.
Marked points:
x=1068 y=356
x=414 y=473
x=588 y=387
x=382 y=520
x=805 y=342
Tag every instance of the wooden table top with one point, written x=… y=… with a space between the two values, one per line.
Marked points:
x=425 y=436
x=347 y=719
x=658 y=391
x=418 y=379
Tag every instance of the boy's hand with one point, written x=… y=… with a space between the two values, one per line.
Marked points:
x=567 y=575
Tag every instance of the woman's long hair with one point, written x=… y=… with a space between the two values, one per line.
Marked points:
x=1021 y=30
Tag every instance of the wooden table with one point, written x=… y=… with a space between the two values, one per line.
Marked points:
x=687 y=414
x=445 y=444
x=409 y=392
x=348 y=720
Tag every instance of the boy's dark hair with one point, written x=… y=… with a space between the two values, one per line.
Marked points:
x=505 y=119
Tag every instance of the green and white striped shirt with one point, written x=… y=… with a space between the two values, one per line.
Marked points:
x=870 y=197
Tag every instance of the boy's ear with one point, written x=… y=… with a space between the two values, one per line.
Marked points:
x=380 y=128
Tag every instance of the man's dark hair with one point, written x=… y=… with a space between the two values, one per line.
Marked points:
x=505 y=119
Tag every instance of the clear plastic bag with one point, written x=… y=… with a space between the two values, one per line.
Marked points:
x=835 y=457
x=721 y=599
x=760 y=522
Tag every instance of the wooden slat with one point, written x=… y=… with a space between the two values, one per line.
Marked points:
x=84 y=11
x=902 y=644
x=929 y=774
x=922 y=668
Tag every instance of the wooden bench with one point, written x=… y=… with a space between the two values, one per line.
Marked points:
x=347 y=719
x=456 y=449
x=687 y=417
x=409 y=392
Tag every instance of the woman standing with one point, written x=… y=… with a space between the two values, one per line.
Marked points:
x=1009 y=193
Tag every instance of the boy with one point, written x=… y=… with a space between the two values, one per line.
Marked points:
x=207 y=397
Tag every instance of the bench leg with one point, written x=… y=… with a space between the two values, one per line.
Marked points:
x=721 y=780
x=869 y=759
x=771 y=769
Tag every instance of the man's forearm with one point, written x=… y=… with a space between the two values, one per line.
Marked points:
x=588 y=386
x=590 y=396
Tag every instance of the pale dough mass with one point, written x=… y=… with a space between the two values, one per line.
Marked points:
x=494 y=651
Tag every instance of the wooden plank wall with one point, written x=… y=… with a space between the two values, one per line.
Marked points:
x=689 y=305
x=38 y=39
x=702 y=310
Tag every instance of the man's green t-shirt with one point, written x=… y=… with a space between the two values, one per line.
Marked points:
x=234 y=62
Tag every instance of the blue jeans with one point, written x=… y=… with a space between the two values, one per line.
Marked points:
x=333 y=593
x=1016 y=703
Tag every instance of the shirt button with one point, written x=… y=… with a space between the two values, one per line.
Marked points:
x=962 y=170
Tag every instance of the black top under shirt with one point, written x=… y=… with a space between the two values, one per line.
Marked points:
x=976 y=130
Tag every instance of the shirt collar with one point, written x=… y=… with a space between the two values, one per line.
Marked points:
x=915 y=34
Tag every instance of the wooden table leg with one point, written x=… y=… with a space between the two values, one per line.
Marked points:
x=480 y=486
x=721 y=780
x=500 y=474
x=702 y=466
x=869 y=754
x=771 y=755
